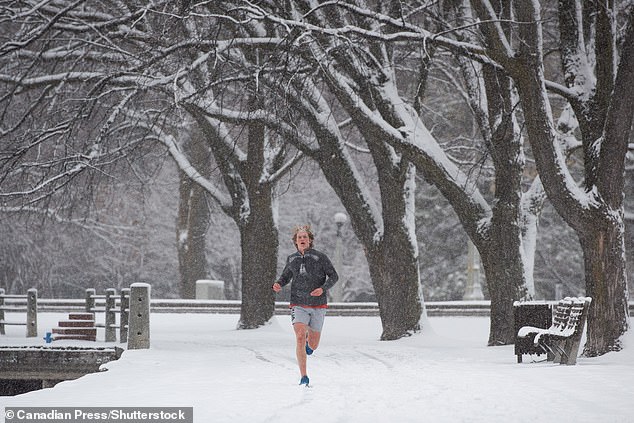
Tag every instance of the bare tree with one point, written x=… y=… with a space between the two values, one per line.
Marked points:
x=121 y=71
x=127 y=59
x=356 y=59
x=365 y=87
x=594 y=210
x=304 y=117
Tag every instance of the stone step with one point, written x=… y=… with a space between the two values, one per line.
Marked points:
x=81 y=316
x=76 y=323
x=59 y=337
x=92 y=332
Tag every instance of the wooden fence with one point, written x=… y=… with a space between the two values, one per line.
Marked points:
x=30 y=308
x=134 y=308
x=109 y=305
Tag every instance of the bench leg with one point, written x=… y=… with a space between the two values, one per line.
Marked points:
x=548 y=349
x=519 y=358
x=572 y=349
x=560 y=352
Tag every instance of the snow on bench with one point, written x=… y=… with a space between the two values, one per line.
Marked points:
x=562 y=339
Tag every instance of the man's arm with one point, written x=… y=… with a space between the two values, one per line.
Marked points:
x=331 y=274
x=285 y=278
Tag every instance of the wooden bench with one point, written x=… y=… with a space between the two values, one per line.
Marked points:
x=562 y=339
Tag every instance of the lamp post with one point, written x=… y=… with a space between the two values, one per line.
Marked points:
x=336 y=292
x=473 y=290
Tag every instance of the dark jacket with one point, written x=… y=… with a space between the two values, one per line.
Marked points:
x=308 y=272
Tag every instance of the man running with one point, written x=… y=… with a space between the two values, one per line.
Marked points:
x=311 y=274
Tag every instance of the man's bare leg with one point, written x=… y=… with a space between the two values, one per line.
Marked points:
x=300 y=349
x=313 y=339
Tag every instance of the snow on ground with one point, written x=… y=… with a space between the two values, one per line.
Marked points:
x=445 y=374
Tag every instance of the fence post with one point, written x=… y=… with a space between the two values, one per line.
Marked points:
x=124 y=306
x=90 y=300
x=2 y=311
x=111 y=319
x=139 y=331
x=31 y=313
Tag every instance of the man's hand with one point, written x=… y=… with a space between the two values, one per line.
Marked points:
x=317 y=292
x=277 y=287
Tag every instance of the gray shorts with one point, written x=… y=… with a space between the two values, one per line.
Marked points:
x=313 y=317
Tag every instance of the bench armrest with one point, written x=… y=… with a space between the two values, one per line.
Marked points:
x=527 y=330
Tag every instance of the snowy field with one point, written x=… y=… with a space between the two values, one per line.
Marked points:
x=445 y=374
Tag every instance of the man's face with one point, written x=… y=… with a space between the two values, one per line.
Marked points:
x=302 y=241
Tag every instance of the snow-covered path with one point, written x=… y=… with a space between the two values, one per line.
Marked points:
x=446 y=374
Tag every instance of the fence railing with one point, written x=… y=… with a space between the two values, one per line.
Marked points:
x=30 y=309
x=434 y=308
x=110 y=307
x=133 y=306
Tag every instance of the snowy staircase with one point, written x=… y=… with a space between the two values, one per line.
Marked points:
x=80 y=326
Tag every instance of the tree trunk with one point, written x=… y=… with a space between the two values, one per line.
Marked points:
x=258 y=232
x=394 y=269
x=505 y=280
x=192 y=224
x=606 y=284
x=392 y=259
x=502 y=248
x=395 y=278
x=259 y=246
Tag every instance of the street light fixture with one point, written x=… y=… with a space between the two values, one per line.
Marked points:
x=340 y=219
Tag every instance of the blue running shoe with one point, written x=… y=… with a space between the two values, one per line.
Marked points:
x=309 y=350
x=304 y=381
